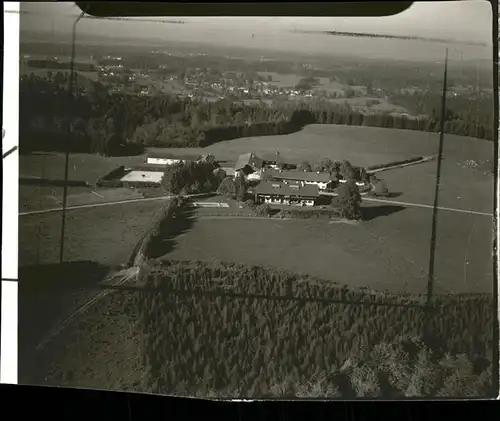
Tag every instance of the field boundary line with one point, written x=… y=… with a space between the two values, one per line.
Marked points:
x=123 y=277
x=93 y=205
x=407 y=164
x=421 y=205
x=97 y=205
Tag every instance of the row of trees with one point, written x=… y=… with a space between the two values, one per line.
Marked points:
x=340 y=169
x=191 y=178
x=114 y=124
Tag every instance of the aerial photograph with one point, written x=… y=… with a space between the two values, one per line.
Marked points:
x=258 y=207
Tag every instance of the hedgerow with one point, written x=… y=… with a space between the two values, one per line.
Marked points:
x=157 y=229
x=236 y=330
x=310 y=213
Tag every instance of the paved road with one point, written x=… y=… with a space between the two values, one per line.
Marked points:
x=368 y=199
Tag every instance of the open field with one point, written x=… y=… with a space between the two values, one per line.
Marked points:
x=106 y=235
x=390 y=251
x=360 y=145
x=34 y=198
x=460 y=188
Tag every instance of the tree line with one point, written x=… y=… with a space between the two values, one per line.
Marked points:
x=121 y=124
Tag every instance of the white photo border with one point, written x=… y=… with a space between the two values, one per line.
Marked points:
x=10 y=142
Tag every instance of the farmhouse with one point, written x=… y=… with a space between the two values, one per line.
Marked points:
x=279 y=193
x=322 y=180
x=160 y=158
x=249 y=165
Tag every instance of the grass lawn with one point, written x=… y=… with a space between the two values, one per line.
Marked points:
x=106 y=235
x=390 y=251
x=360 y=145
x=460 y=188
x=33 y=198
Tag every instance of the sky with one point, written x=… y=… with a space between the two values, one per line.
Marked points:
x=460 y=21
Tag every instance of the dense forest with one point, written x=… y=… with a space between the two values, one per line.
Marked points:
x=245 y=331
x=120 y=124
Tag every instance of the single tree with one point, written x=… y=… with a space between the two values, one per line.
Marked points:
x=379 y=187
x=227 y=188
x=325 y=165
x=304 y=166
x=364 y=176
x=241 y=189
x=349 y=200
x=347 y=171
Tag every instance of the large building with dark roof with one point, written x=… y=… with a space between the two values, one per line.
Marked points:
x=279 y=193
x=322 y=180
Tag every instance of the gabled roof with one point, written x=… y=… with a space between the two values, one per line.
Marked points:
x=322 y=177
x=277 y=188
x=249 y=159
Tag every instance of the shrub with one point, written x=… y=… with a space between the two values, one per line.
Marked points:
x=227 y=188
x=241 y=188
x=325 y=165
x=304 y=166
x=394 y=163
x=157 y=227
x=262 y=210
x=310 y=214
x=379 y=187
x=249 y=203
